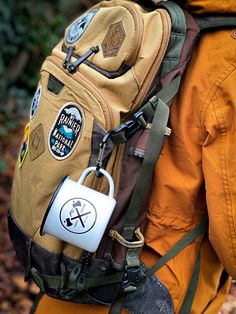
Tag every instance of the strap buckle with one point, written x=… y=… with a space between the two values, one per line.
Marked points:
x=129 y=244
x=132 y=277
x=127 y=129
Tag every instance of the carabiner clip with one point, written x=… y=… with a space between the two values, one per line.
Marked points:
x=101 y=155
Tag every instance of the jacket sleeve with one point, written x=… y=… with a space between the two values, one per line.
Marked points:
x=219 y=166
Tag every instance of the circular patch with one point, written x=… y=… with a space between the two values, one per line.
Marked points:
x=79 y=27
x=66 y=131
x=78 y=215
x=35 y=102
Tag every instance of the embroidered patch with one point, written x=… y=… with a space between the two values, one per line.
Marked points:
x=37 y=143
x=113 y=40
x=78 y=215
x=35 y=102
x=79 y=27
x=66 y=131
x=24 y=145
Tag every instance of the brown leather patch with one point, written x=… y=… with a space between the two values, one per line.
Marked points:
x=37 y=143
x=113 y=40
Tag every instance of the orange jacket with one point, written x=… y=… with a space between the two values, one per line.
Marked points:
x=196 y=174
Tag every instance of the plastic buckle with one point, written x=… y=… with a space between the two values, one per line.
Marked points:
x=132 y=277
x=38 y=279
x=81 y=282
x=130 y=127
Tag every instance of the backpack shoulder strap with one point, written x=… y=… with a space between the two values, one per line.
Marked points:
x=211 y=23
x=177 y=37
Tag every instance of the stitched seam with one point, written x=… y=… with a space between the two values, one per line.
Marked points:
x=224 y=174
x=212 y=91
x=214 y=100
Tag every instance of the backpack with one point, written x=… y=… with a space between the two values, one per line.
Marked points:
x=100 y=113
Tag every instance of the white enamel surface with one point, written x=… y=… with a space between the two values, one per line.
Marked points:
x=104 y=172
x=79 y=215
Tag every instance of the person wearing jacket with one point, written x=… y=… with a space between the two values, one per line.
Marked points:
x=194 y=177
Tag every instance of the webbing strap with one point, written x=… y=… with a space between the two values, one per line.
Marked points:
x=177 y=37
x=189 y=238
x=153 y=150
x=55 y=282
x=165 y=94
x=36 y=302
x=117 y=306
x=143 y=116
x=201 y=229
x=215 y=22
x=188 y=300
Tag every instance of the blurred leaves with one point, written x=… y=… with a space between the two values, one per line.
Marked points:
x=28 y=31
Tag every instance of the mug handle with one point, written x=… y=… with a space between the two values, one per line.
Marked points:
x=104 y=172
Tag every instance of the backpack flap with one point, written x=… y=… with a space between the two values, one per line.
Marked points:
x=118 y=39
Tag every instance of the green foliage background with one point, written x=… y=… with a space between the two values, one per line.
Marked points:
x=28 y=31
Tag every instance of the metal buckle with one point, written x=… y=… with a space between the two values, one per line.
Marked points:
x=129 y=244
x=130 y=127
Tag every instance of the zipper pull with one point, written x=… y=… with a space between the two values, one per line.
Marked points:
x=72 y=67
x=68 y=56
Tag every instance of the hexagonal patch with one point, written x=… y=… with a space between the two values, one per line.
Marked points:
x=113 y=40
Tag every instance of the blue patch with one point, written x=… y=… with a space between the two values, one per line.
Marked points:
x=66 y=131
x=35 y=102
x=79 y=27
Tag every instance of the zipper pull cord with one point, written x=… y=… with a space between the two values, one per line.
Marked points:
x=68 y=56
x=72 y=67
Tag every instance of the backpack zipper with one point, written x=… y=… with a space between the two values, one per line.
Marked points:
x=73 y=67
x=111 y=75
x=82 y=80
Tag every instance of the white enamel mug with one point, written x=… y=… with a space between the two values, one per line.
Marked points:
x=79 y=215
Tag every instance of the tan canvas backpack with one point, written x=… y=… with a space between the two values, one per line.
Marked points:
x=102 y=100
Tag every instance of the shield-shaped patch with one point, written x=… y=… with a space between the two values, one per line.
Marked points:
x=66 y=131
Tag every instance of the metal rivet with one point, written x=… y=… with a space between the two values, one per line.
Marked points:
x=233 y=33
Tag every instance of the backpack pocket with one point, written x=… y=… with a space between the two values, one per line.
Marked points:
x=64 y=122
x=118 y=39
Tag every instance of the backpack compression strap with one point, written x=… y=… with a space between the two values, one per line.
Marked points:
x=199 y=230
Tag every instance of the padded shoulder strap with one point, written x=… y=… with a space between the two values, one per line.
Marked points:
x=177 y=37
x=210 y=23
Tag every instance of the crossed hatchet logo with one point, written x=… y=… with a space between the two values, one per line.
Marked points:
x=79 y=216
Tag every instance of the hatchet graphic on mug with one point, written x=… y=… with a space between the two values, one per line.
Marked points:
x=68 y=220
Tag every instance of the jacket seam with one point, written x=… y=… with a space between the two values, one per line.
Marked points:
x=225 y=181
x=212 y=92
x=211 y=96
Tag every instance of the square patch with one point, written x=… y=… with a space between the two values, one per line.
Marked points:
x=37 y=143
